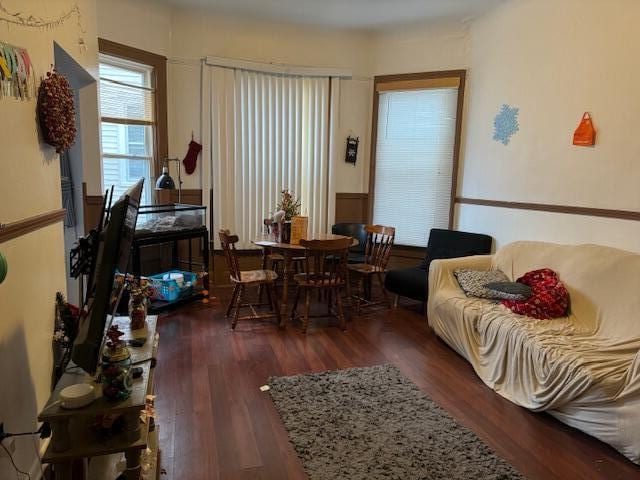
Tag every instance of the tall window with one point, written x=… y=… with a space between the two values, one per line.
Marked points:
x=132 y=145
x=269 y=132
x=416 y=151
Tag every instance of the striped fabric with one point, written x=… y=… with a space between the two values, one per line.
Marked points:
x=264 y=133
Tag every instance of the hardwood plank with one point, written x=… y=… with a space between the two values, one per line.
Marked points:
x=216 y=424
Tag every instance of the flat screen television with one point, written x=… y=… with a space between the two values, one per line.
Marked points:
x=112 y=257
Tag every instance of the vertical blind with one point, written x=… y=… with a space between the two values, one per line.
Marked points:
x=414 y=161
x=268 y=132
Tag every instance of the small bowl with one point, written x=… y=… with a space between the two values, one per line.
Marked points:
x=77 y=396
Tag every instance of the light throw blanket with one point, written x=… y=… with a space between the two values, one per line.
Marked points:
x=583 y=369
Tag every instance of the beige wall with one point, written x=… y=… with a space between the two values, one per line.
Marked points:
x=421 y=48
x=144 y=24
x=30 y=186
x=554 y=60
x=186 y=36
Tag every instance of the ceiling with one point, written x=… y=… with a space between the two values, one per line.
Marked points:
x=361 y=14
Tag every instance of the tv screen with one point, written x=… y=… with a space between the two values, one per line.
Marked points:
x=113 y=256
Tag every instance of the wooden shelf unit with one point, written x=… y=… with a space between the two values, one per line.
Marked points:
x=74 y=440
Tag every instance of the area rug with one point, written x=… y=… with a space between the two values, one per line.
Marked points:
x=373 y=423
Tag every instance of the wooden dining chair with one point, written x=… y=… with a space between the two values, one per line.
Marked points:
x=326 y=273
x=243 y=279
x=376 y=256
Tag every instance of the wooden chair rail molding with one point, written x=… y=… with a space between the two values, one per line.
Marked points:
x=543 y=207
x=9 y=231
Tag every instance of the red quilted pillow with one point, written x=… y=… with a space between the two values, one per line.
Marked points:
x=549 y=299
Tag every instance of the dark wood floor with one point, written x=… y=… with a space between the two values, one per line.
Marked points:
x=215 y=423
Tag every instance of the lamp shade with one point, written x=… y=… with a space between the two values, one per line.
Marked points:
x=165 y=182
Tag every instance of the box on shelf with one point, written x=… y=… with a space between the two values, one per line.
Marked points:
x=172 y=285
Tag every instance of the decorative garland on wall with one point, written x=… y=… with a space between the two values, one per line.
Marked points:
x=27 y=20
x=56 y=111
x=17 y=79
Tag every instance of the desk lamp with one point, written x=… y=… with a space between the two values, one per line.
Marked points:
x=165 y=182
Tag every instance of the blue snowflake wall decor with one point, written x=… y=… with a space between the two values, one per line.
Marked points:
x=505 y=124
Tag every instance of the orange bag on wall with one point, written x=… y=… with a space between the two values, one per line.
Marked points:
x=585 y=134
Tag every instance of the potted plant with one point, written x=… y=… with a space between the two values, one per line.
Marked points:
x=290 y=205
x=140 y=291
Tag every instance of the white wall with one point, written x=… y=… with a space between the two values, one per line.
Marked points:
x=196 y=34
x=554 y=60
x=143 y=24
x=421 y=48
x=185 y=36
x=30 y=186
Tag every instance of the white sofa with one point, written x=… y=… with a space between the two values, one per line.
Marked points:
x=583 y=369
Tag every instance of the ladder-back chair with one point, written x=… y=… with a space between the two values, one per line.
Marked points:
x=243 y=279
x=376 y=257
x=326 y=273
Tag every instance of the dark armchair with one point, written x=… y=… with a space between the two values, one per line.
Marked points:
x=412 y=282
x=357 y=231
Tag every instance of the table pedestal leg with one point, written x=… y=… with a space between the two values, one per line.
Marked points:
x=285 y=281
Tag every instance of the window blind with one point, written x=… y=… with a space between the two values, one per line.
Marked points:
x=127 y=124
x=268 y=133
x=414 y=161
x=126 y=95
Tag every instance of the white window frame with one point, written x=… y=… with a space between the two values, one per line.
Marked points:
x=147 y=71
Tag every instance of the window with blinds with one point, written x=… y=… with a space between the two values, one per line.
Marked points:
x=127 y=124
x=269 y=133
x=414 y=159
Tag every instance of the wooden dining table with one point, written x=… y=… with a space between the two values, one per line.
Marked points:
x=288 y=252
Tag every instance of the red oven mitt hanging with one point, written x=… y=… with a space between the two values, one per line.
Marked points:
x=585 y=134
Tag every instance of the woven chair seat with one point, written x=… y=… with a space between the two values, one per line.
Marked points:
x=365 y=268
x=256 y=276
x=243 y=279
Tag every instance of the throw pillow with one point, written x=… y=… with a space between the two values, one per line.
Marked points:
x=550 y=298
x=473 y=282
x=510 y=290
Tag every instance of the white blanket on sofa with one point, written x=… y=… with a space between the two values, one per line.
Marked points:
x=585 y=368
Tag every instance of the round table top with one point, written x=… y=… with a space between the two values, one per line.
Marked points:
x=271 y=241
